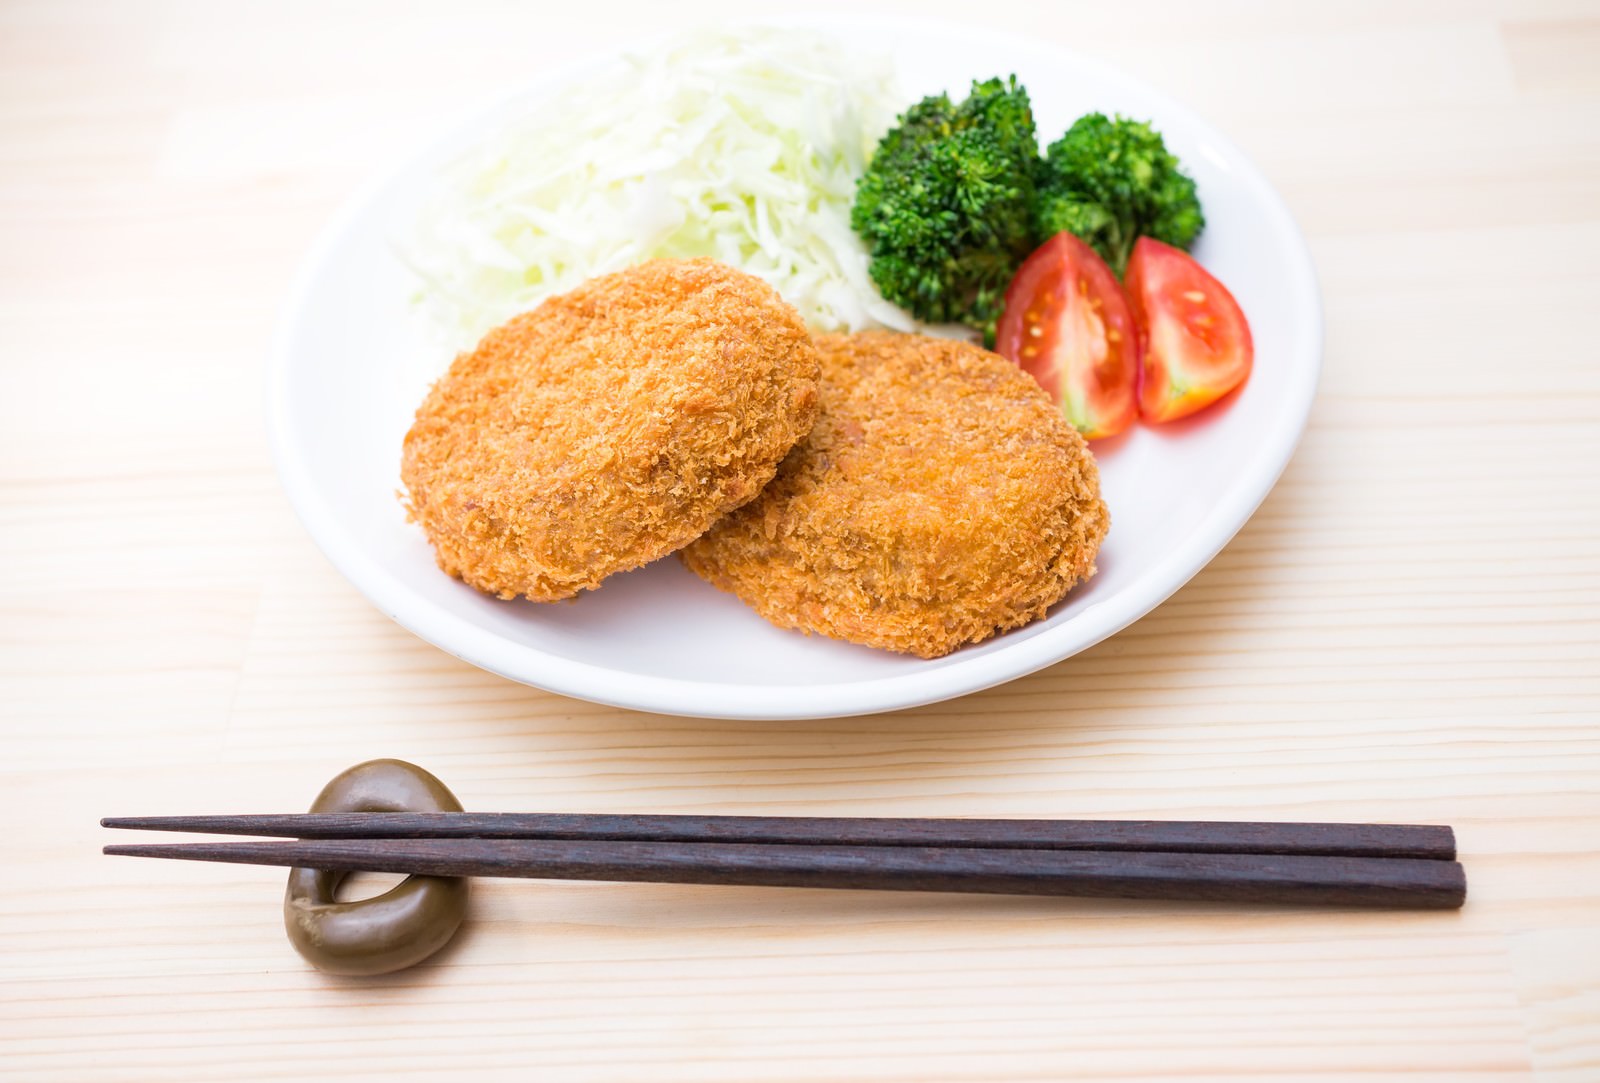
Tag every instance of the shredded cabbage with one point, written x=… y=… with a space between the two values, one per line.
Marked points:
x=744 y=146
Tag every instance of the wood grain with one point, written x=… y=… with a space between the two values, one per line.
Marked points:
x=1408 y=630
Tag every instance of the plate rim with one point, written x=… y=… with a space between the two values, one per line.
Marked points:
x=955 y=677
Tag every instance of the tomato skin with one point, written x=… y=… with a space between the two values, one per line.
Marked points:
x=1194 y=339
x=1068 y=324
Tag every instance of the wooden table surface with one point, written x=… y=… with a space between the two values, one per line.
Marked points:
x=1406 y=631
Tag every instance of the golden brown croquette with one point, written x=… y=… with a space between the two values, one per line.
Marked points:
x=608 y=427
x=940 y=498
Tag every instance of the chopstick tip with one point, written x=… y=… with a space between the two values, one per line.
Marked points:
x=131 y=850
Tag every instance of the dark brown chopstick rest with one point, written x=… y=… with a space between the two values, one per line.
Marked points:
x=387 y=932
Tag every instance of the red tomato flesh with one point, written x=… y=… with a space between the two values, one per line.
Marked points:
x=1194 y=338
x=1068 y=324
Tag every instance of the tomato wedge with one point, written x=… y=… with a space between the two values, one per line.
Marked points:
x=1068 y=324
x=1194 y=337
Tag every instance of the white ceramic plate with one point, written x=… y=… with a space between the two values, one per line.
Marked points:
x=353 y=360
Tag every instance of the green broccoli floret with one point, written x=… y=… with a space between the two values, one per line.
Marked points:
x=945 y=205
x=1111 y=181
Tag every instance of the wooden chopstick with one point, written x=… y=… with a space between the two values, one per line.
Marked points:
x=1427 y=842
x=1409 y=883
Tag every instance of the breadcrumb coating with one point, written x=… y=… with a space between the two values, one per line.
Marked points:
x=941 y=498
x=608 y=427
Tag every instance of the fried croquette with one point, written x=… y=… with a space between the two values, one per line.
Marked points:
x=941 y=498
x=608 y=427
